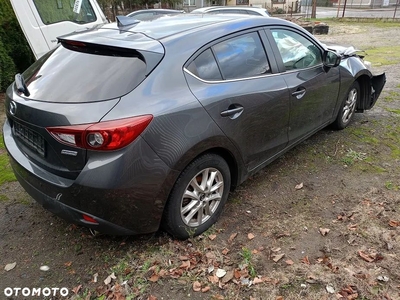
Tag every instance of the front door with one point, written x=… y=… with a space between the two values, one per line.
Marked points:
x=313 y=88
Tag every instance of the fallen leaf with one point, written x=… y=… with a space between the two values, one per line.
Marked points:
x=324 y=231
x=9 y=267
x=183 y=257
x=109 y=278
x=289 y=262
x=76 y=289
x=68 y=263
x=196 y=286
x=185 y=265
x=154 y=278
x=205 y=289
x=250 y=236
x=151 y=297
x=366 y=256
x=281 y=235
x=393 y=223
x=228 y=276
x=299 y=186
x=225 y=251
x=277 y=257
x=330 y=289
x=352 y=227
x=237 y=274
x=257 y=280
x=213 y=279
x=212 y=236
x=305 y=260
x=276 y=249
x=279 y=298
x=232 y=237
x=220 y=273
x=254 y=251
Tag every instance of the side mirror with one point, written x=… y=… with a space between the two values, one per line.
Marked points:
x=331 y=59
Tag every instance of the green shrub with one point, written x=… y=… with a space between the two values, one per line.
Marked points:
x=15 y=54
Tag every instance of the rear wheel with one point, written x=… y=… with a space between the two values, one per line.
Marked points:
x=198 y=197
x=348 y=107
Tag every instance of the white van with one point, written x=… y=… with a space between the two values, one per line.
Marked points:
x=42 y=21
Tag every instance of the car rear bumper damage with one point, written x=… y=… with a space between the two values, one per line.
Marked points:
x=108 y=196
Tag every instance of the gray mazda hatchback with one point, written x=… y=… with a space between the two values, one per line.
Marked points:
x=133 y=125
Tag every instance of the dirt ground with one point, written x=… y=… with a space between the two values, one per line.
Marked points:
x=321 y=222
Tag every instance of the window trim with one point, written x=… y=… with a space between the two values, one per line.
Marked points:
x=264 y=42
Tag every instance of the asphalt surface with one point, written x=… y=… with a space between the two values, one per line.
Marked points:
x=352 y=11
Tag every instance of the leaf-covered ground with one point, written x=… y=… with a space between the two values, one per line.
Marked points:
x=322 y=222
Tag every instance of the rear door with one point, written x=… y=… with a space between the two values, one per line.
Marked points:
x=42 y=21
x=234 y=81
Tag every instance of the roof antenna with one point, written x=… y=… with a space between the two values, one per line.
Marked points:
x=124 y=21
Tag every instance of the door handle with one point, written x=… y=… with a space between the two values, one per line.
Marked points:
x=299 y=93
x=232 y=111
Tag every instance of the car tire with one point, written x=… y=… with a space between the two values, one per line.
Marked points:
x=348 y=107
x=198 y=197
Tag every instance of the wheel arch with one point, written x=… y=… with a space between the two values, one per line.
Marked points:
x=364 y=81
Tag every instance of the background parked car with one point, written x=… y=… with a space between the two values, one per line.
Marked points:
x=147 y=14
x=245 y=10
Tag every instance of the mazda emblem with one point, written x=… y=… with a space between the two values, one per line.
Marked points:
x=13 y=108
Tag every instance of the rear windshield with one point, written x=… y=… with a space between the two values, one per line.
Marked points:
x=64 y=75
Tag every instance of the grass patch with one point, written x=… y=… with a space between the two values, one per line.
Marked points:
x=353 y=156
x=396 y=111
x=385 y=23
x=248 y=260
x=392 y=96
x=3 y=198
x=6 y=173
x=382 y=56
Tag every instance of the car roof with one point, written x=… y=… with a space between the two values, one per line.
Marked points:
x=178 y=24
x=148 y=35
x=160 y=10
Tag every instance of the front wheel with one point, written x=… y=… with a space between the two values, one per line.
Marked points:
x=198 y=197
x=348 y=107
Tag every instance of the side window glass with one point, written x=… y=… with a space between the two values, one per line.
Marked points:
x=242 y=56
x=297 y=52
x=250 y=12
x=205 y=66
x=65 y=10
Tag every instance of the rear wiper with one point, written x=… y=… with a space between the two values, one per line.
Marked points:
x=21 y=86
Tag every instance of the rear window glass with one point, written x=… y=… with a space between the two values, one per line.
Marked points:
x=70 y=76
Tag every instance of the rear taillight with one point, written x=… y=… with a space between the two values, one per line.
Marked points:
x=108 y=135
